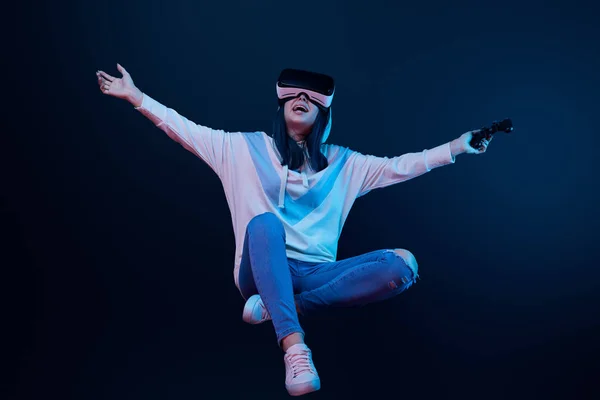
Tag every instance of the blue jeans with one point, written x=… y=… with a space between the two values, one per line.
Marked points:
x=284 y=283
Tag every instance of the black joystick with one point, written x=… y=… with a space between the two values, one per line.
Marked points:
x=486 y=132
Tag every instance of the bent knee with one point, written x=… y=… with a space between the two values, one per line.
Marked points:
x=409 y=259
x=264 y=221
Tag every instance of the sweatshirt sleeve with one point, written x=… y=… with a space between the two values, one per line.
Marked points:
x=378 y=172
x=211 y=145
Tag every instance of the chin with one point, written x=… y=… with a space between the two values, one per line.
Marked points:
x=302 y=121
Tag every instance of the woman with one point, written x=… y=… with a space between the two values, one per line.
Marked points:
x=289 y=195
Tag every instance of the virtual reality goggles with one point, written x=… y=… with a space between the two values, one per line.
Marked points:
x=319 y=88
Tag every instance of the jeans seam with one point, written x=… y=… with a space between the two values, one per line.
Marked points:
x=380 y=260
x=355 y=271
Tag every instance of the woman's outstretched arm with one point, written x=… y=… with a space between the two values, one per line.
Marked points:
x=378 y=172
x=211 y=145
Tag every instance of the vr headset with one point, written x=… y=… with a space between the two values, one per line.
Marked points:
x=318 y=87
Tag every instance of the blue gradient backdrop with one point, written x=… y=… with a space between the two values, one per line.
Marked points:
x=121 y=283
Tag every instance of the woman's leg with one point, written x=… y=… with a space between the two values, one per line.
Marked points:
x=357 y=281
x=264 y=270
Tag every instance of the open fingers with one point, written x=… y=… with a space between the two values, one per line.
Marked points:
x=105 y=76
x=103 y=81
x=104 y=84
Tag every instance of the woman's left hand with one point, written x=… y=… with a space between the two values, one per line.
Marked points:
x=462 y=143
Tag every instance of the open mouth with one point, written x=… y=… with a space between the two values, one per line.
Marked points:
x=300 y=108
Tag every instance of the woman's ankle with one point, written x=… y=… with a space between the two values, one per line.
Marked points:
x=291 y=339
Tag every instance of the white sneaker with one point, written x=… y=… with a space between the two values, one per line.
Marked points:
x=255 y=311
x=300 y=374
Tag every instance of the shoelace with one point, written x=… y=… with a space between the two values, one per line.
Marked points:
x=300 y=362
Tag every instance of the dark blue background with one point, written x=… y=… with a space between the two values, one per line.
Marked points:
x=121 y=283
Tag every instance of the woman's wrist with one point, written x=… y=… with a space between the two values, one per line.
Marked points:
x=457 y=147
x=136 y=97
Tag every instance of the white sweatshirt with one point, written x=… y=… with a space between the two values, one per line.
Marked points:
x=312 y=206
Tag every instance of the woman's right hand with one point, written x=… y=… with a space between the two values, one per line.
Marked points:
x=122 y=88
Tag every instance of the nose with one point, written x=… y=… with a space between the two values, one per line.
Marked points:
x=303 y=96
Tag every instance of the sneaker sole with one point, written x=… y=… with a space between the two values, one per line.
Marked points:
x=247 y=313
x=303 y=388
